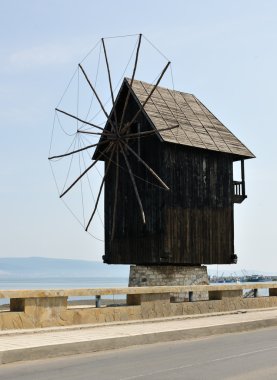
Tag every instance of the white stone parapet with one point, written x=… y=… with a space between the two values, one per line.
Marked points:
x=45 y=308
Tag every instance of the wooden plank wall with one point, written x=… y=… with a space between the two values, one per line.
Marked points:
x=190 y=224
x=199 y=213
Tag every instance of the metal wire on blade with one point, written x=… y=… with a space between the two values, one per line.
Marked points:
x=69 y=169
x=95 y=85
x=68 y=149
x=62 y=128
x=121 y=36
x=117 y=85
x=52 y=134
x=155 y=47
x=91 y=50
x=65 y=91
x=88 y=179
x=89 y=155
x=69 y=209
x=81 y=183
x=77 y=105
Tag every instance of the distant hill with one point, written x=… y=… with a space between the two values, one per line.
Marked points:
x=35 y=267
x=46 y=267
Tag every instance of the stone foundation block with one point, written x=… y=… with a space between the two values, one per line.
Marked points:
x=170 y=275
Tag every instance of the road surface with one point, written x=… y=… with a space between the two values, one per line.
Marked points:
x=243 y=356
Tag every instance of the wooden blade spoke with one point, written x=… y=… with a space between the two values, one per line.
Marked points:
x=108 y=135
x=97 y=97
x=131 y=84
x=101 y=187
x=147 y=166
x=108 y=70
x=115 y=192
x=84 y=172
x=110 y=80
x=146 y=133
x=78 y=150
x=93 y=133
x=81 y=120
x=147 y=99
x=136 y=61
x=134 y=184
x=94 y=91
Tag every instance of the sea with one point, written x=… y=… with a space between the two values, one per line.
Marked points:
x=13 y=283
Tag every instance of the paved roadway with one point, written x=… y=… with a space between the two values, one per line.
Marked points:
x=243 y=356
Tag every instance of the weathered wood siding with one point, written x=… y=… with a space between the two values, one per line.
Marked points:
x=190 y=224
x=199 y=209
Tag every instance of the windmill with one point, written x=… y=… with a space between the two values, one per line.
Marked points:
x=169 y=191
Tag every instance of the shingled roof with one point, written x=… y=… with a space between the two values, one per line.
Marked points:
x=198 y=127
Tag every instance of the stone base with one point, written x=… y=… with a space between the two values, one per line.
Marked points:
x=168 y=275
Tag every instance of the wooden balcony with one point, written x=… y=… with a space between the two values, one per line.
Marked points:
x=239 y=192
x=239 y=187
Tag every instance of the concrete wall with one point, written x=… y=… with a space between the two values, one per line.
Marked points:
x=31 y=309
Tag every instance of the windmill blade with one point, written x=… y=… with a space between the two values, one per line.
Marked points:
x=94 y=133
x=101 y=187
x=147 y=166
x=78 y=150
x=110 y=80
x=109 y=135
x=77 y=118
x=146 y=100
x=85 y=171
x=134 y=184
x=146 y=133
x=115 y=192
x=131 y=84
x=94 y=91
x=108 y=69
x=106 y=133
x=97 y=97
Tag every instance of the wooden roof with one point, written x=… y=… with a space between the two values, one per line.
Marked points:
x=198 y=127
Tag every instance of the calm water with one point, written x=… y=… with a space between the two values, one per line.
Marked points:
x=61 y=283
x=66 y=282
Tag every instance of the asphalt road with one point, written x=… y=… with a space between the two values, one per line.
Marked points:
x=243 y=356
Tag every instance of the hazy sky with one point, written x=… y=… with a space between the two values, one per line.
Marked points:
x=224 y=52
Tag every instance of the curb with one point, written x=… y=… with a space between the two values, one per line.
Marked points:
x=16 y=332
x=84 y=347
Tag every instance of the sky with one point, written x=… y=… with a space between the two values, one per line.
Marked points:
x=224 y=52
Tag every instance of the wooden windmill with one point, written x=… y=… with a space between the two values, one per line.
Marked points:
x=168 y=180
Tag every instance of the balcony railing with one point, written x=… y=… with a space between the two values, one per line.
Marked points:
x=239 y=187
x=239 y=191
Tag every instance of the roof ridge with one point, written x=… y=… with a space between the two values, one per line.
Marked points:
x=200 y=126
x=151 y=84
